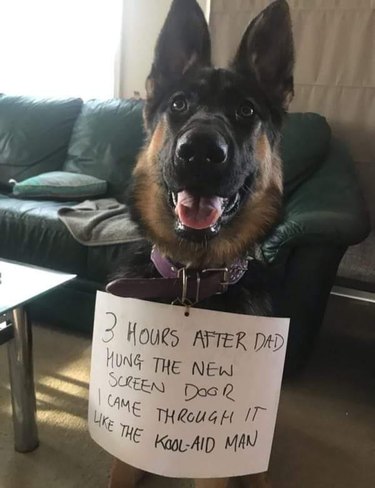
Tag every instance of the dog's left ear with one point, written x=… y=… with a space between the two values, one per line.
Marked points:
x=183 y=44
x=267 y=51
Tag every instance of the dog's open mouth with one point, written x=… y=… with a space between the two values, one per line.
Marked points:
x=202 y=217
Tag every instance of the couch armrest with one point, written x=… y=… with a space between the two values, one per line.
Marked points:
x=303 y=286
x=328 y=208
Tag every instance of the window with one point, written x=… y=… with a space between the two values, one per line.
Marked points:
x=59 y=48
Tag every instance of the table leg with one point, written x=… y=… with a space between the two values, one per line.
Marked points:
x=22 y=383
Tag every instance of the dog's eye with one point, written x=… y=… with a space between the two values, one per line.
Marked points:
x=179 y=104
x=245 y=110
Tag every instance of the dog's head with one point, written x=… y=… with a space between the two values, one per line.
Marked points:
x=208 y=184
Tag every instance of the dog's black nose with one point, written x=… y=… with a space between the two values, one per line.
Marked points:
x=201 y=147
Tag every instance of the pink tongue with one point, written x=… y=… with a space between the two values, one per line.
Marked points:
x=198 y=212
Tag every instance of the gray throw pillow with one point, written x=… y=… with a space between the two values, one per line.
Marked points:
x=61 y=185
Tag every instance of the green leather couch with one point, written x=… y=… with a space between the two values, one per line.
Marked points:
x=324 y=210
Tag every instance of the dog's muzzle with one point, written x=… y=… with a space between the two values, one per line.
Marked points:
x=204 y=188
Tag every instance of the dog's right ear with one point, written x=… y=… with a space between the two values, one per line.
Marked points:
x=183 y=44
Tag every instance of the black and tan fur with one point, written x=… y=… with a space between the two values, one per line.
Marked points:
x=216 y=101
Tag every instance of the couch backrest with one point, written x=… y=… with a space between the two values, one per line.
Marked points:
x=103 y=138
x=34 y=135
x=105 y=142
x=108 y=136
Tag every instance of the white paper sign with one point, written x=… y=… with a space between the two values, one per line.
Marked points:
x=191 y=397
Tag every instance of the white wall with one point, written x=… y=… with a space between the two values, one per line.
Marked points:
x=142 y=21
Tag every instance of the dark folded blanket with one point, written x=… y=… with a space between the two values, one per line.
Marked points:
x=99 y=222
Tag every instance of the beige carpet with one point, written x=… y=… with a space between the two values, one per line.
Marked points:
x=325 y=436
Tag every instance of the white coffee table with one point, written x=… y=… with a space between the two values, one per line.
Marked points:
x=19 y=285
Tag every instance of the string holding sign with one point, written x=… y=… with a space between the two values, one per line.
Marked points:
x=184 y=301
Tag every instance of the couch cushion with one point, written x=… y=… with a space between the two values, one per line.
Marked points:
x=61 y=185
x=31 y=232
x=305 y=142
x=106 y=140
x=34 y=135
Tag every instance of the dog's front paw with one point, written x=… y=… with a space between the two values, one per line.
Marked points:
x=212 y=483
x=124 y=476
x=260 y=480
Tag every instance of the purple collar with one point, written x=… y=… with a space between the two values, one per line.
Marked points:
x=168 y=269
x=179 y=284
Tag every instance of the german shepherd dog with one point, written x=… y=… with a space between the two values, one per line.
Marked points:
x=207 y=187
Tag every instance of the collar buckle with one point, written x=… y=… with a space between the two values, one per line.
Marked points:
x=184 y=274
x=225 y=279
